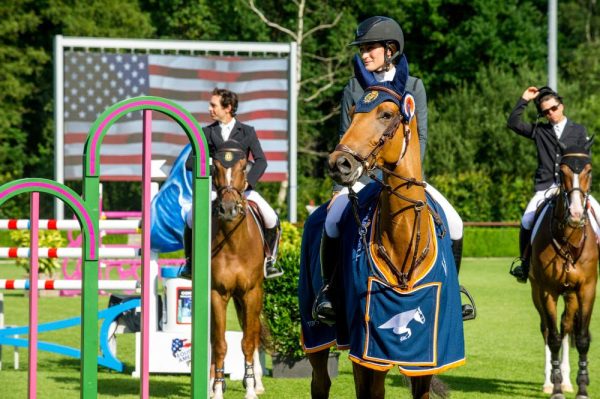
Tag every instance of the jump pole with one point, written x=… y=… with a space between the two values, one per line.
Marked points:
x=201 y=224
x=89 y=231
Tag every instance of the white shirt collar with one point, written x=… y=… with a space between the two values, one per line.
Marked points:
x=385 y=76
x=559 y=127
x=226 y=129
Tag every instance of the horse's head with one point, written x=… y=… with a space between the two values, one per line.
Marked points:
x=576 y=182
x=371 y=140
x=229 y=179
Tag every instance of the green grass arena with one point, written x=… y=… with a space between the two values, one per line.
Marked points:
x=504 y=347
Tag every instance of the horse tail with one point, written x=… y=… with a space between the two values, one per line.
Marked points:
x=439 y=388
x=266 y=341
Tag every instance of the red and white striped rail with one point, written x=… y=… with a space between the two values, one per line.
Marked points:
x=55 y=224
x=68 y=284
x=69 y=253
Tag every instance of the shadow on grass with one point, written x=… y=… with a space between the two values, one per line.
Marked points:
x=506 y=388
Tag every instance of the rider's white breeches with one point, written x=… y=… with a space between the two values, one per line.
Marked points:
x=334 y=214
x=538 y=198
x=269 y=215
x=534 y=203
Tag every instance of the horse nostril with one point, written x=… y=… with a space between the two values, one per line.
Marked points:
x=343 y=164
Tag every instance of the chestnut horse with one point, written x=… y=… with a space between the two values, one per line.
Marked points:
x=564 y=262
x=407 y=253
x=237 y=269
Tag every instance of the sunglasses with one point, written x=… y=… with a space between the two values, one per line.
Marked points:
x=553 y=108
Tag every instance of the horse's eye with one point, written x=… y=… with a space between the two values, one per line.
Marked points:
x=386 y=115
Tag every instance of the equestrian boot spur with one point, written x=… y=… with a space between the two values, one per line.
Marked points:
x=520 y=266
x=272 y=236
x=323 y=308
x=186 y=270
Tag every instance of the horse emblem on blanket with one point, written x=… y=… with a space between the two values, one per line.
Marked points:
x=399 y=323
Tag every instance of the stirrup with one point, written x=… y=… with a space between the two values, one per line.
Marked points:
x=323 y=309
x=469 y=310
x=269 y=268
x=517 y=270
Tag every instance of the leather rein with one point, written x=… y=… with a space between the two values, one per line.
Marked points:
x=558 y=225
x=412 y=259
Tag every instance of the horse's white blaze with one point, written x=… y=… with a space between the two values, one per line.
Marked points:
x=228 y=173
x=576 y=206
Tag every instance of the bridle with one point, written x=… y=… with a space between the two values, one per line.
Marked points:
x=412 y=259
x=559 y=223
x=240 y=203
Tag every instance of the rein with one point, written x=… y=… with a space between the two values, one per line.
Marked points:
x=558 y=225
x=412 y=259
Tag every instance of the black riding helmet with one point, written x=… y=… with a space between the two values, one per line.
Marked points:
x=544 y=92
x=380 y=30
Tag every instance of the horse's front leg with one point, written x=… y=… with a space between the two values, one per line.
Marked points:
x=251 y=309
x=369 y=384
x=320 y=383
x=554 y=341
x=218 y=322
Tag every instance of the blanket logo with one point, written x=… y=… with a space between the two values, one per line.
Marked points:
x=399 y=323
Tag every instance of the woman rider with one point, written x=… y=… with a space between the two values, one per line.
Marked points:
x=380 y=41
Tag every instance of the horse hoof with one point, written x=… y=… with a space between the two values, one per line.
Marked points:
x=548 y=388
x=251 y=396
x=582 y=397
x=557 y=396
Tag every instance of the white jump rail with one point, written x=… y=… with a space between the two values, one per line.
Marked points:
x=49 y=285
x=65 y=224
x=69 y=253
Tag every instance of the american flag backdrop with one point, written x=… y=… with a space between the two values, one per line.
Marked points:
x=95 y=81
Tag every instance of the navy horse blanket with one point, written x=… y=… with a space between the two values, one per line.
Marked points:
x=419 y=329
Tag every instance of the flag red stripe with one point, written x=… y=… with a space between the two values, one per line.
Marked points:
x=171 y=138
x=216 y=76
x=267 y=177
x=137 y=159
x=205 y=95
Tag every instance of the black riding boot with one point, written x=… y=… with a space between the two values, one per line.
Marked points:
x=521 y=271
x=272 y=238
x=323 y=307
x=457 y=246
x=468 y=309
x=186 y=270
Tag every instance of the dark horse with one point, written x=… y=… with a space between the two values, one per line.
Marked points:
x=564 y=262
x=405 y=251
x=237 y=269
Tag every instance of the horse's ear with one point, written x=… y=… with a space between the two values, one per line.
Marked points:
x=589 y=143
x=364 y=77
x=401 y=76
